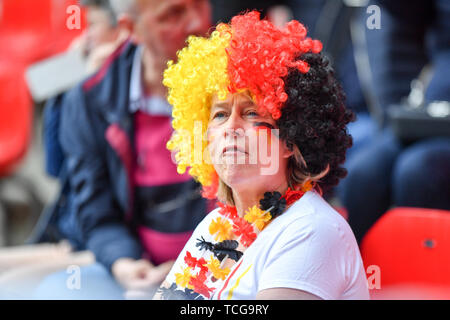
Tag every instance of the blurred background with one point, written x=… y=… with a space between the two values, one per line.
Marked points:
x=392 y=59
x=30 y=31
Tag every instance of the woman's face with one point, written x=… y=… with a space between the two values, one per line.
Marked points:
x=243 y=144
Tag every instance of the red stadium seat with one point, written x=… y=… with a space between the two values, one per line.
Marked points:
x=30 y=30
x=411 y=247
x=62 y=36
x=24 y=24
x=23 y=15
x=15 y=116
x=33 y=30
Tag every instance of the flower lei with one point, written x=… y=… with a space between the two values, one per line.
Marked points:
x=192 y=279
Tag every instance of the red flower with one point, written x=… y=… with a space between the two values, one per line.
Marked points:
x=201 y=263
x=190 y=260
x=248 y=238
x=227 y=211
x=201 y=276
x=292 y=195
x=241 y=226
x=245 y=230
x=193 y=263
x=199 y=286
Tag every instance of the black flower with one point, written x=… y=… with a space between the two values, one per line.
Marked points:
x=227 y=248
x=274 y=202
x=173 y=293
x=221 y=249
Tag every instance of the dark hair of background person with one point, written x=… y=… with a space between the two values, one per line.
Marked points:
x=101 y=4
x=314 y=119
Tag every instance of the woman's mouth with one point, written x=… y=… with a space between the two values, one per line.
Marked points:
x=233 y=150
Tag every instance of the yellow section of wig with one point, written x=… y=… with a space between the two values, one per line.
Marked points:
x=200 y=72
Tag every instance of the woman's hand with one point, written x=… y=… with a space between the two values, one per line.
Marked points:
x=139 y=274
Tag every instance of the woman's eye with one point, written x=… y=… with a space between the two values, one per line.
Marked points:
x=252 y=113
x=219 y=115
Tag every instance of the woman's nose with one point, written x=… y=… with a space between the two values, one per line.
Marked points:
x=233 y=126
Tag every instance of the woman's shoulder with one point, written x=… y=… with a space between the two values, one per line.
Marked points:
x=314 y=216
x=203 y=226
x=313 y=246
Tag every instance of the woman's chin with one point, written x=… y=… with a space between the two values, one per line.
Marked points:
x=238 y=175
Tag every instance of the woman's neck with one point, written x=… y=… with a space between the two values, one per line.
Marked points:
x=245 y=198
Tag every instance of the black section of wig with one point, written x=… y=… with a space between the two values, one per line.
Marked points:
x=315 y=119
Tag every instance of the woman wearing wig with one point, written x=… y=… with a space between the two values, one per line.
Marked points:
x=260 y=122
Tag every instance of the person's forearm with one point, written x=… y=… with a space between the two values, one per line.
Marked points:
x=112 y=242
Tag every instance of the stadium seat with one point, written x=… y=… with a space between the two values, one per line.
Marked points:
x=33 y=30
x=15 y=116
x=411 y=248
x=62 y=36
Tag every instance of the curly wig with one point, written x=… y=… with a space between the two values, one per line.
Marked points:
x=315 y=119
x=287 y=78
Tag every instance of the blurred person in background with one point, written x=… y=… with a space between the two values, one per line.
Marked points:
x=101 y=38
x=22 y=267
x=131 y=208
x=278 y=12
x=388 y=171
x=103 y=34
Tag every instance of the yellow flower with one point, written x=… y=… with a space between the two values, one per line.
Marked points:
x=182 y=279
x=221 y=229
x=214 y=266
x=307 y=186
x=258 y=217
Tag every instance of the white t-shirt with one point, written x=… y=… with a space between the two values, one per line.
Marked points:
x=310 y=247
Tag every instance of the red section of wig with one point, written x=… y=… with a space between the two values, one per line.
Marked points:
x=260 y=55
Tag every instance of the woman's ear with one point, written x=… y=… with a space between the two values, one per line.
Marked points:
x=286 y=151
